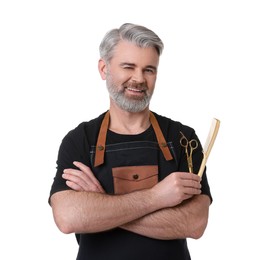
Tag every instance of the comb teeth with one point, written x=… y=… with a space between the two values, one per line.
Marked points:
x=209 y=144
x=211 y=136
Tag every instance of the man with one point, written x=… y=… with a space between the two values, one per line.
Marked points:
x=122 y=183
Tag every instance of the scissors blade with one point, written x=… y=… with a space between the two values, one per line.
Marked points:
x=190 y=164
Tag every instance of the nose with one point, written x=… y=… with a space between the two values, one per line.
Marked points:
x=138 y=76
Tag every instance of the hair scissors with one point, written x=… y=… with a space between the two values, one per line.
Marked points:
x=189 y=146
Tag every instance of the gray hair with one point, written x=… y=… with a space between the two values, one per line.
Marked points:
x=137 y=34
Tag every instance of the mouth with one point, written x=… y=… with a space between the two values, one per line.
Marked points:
x=135 y=90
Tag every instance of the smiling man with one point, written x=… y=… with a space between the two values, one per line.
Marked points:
x=135 y=69
x=122 y=183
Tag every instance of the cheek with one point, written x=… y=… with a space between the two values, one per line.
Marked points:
x=120 y=77
x=151 y=83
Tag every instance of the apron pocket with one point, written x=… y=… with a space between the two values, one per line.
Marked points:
x=131 y=178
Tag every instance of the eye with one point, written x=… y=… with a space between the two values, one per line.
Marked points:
x=150 y=70
x=127 y=66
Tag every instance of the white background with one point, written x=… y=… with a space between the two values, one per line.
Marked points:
x=50 y=83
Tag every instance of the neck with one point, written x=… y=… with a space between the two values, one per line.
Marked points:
x=123 y=122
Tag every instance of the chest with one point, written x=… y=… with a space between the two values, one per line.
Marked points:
x=133 y=163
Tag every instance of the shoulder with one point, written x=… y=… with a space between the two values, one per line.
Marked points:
x=170 y=126
x=87 y=126
x=85 y=131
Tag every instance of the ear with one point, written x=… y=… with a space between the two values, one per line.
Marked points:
x=102 y=68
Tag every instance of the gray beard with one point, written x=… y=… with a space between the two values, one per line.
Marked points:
x=129 y=105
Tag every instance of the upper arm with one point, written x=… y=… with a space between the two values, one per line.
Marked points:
x=74 y=147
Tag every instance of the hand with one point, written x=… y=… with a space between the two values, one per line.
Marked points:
x=177 y=187
x=82 y=179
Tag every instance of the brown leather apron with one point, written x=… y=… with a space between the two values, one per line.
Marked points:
x=101 y=142
x=126 y=166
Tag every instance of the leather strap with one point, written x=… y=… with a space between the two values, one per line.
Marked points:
x=160 y=138
x=101 y=142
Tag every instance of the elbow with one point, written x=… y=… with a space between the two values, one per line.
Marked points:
x=63 y=223
x=199 y=222
x=198 y=229
x=197 y=234
x=62 y=217
x=64 y=228
x=69 y=219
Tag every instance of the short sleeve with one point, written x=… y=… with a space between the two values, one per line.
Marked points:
x=74 y=147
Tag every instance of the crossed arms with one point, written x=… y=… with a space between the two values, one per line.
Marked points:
x=172 y=209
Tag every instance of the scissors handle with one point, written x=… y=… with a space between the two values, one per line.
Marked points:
x=192 y=144
x=184 y=141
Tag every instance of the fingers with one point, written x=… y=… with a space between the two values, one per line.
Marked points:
x=87 y=171
x=82 y=179
x=188 y=176
x=177 y=187
x=76 y=181
x=74 y=186
x=189 y=182
x=191 y=191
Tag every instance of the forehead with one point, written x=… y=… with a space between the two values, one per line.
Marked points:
x=129 y=52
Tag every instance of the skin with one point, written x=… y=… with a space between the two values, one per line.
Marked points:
x=172 y=209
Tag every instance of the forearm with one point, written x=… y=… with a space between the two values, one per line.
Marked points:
x=188 y=219
x=87 y=212
x=86 y=208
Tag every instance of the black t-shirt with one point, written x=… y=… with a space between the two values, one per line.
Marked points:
x=79 y=145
